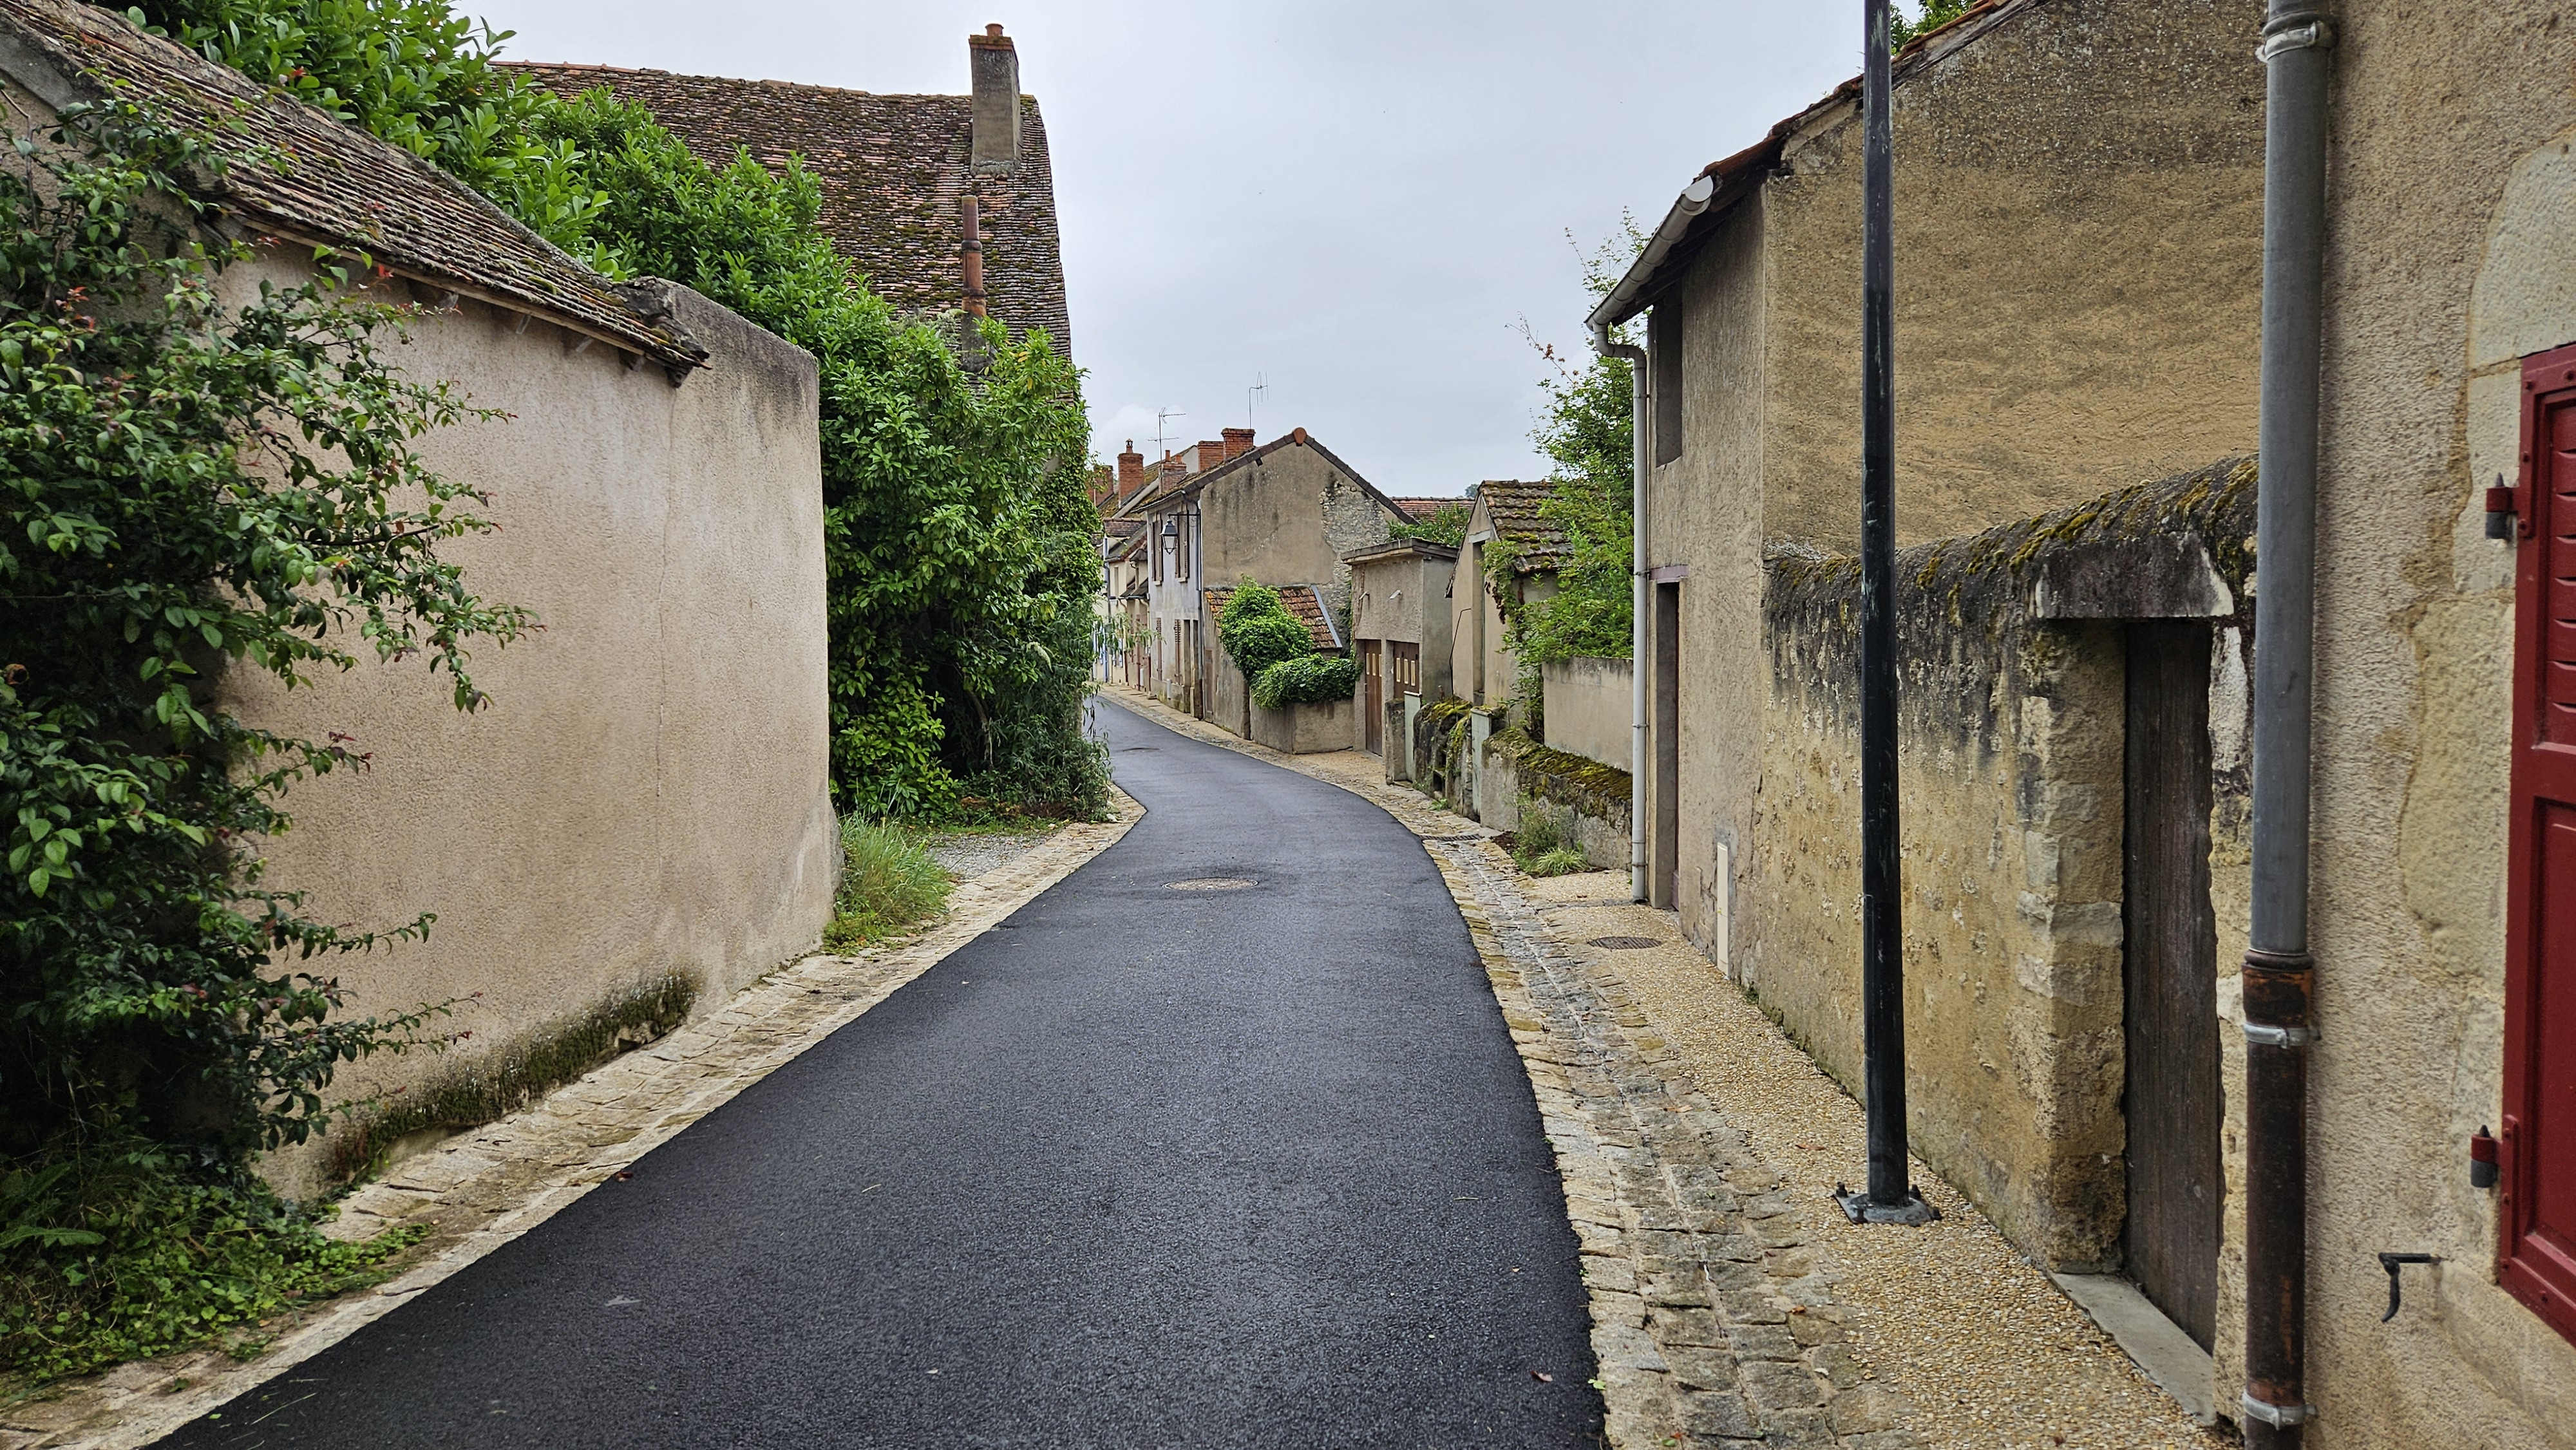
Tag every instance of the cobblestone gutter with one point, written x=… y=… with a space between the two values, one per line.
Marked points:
x=489 y=1185
x=1712 y=1323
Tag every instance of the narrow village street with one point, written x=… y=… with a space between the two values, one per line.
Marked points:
x=1145 y=1165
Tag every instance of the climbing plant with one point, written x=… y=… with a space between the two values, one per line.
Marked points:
x=187 y=487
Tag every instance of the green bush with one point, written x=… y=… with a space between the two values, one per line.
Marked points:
x=115 y=1256
x=1309 y=680
x=1258 y=632
x=888 y=882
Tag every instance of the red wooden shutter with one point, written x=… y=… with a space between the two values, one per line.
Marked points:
x=2536 y=1260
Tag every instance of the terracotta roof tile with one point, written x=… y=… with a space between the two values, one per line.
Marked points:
x=891 y=170
x=1513 y=507
x=340 y=186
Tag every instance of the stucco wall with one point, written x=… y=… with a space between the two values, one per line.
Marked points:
x=2450 y=255
x=2079 y=229
x=1587 y=707
x=1305 y=729
x=646 y=793
x=1705 y=515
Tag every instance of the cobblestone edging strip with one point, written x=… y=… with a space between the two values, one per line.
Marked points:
x=492 y=1184
x=1712 y=1321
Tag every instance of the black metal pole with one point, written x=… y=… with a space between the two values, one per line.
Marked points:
x=1890 y=1195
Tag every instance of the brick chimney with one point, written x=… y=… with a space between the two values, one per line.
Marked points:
x=1206 y=455
x=1131 y=470
x=1238 y=442
x=995 y=64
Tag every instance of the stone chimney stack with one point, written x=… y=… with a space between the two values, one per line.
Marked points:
x=995 y=64
x=1131 y=470
x=1238 y=442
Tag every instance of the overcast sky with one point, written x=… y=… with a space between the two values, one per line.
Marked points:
x=1358 y=200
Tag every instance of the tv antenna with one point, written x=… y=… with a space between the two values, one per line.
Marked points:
x=1162 y=417
x=1252 y=395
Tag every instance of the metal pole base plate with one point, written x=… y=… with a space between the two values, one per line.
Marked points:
x=1857 y=1206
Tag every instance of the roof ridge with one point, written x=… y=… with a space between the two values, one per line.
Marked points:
x=582 y=67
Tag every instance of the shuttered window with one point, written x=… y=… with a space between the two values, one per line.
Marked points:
x=2536 y=1260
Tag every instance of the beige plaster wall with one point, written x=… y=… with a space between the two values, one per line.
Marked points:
x=1588 y=705
x=646 y=793
x=2079 y=229
x=1286 y=517
x=1705 y=515
x=2450 y=255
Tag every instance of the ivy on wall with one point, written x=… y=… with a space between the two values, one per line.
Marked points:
x=185 y=487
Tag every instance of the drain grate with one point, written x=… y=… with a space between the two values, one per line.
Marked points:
x=1210 y=883
x=1625 y=943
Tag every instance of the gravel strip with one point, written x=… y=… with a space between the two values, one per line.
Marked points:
x=1953 y=1317
x=967 y=855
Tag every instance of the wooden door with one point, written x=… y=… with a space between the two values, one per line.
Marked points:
x=1372 y=694
x=2536 y=1260
x=2171 y=972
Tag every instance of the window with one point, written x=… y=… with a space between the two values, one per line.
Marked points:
x=1664 y=355
x=2536 y=1259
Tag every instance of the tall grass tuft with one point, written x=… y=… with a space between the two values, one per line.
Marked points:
x=1544 y=845
x=888 y=882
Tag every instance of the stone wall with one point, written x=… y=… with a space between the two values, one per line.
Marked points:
x=644 y=802
x=1305 y=729
x=1515 y=774
x=2011 y=730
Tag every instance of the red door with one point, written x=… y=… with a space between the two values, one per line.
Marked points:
x=2536 y=1261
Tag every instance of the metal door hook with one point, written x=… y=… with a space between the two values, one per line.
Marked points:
x=2392 y=1263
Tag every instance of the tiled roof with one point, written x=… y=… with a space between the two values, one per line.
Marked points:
x=339 y=185
x=1423 y=508
x=1395 y=548
x=891 y=170
x=1513 y=507
x=1305 y=601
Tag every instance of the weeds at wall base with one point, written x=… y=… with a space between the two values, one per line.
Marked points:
x=496 y=1084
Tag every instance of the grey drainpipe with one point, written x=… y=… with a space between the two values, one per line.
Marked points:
x=2279 y=977
x=1691 y=203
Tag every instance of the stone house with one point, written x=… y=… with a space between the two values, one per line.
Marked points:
x=1282 y=513
x=1482 y=669
x=2079 y=214
x=2079 y=236
x=1400 y=632
x=897 y=174
x=639 y=824
x=1297 y=730
x=1122 y=603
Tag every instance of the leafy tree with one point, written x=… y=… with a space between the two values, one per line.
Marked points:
x=958 y=532
x=1584 y=433
x=419 y=75
x=1447 y=525
x=185 y=486
x=1932 y=14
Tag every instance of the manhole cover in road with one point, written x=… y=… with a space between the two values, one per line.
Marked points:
x=1625 y=943
x=1209 y=883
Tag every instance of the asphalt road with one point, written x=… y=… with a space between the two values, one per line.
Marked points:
x=1139 y=1167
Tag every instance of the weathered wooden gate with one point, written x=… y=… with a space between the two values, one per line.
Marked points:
x=2171 y=972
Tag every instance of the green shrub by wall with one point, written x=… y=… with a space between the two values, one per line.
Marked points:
x=1310 y=680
